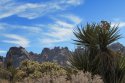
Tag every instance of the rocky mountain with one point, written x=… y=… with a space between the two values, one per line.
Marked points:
x=1 y=58
x=15 y=55
x=1 y=61
x=118 y=47
x=57 y=54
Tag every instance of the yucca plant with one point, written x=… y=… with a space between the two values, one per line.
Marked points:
x=120 y=70
x=81 y=61
x=96 y=38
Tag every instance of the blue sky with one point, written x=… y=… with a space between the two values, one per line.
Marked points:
x=35 y=24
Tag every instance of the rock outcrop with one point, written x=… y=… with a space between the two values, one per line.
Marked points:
x=56 y=54
x=15 y=55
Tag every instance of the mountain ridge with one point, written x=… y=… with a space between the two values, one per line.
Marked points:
x=56 y=54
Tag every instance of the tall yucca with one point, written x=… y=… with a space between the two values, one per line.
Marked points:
x=96 y=38
x=97 y=35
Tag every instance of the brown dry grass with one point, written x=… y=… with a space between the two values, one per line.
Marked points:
x=79 y=78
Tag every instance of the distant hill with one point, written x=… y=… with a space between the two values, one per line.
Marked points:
x=57 y=54
x=118 y=47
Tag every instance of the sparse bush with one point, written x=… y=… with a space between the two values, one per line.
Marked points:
x=4 y=74
x=8 y=74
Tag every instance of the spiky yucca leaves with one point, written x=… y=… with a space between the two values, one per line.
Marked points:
x=106 y=66
x=117 y=74
x=96 y=35
x=120 y=70
x=81 y=61
x=96 y=38
x=86 y=36
x=106 y=57
x=106 y=35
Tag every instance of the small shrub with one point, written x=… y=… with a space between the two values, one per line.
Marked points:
x=4 y=74
x=49 y=68
x=29 y=69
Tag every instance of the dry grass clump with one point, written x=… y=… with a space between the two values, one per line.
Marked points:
x=4 y=81
x=78 y=78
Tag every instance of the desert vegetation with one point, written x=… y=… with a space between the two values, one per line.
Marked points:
x=97 y=58
x=47 y=72
x=96 y=63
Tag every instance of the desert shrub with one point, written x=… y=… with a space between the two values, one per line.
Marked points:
x=33 y=69
x=20 y=74
x=70 y=71
x=12 y=77
x=8 y=74
x=49 y=68
x=4 y=74
x=29 y=69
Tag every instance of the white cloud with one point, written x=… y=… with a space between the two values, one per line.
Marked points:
x=72 y=18
x=2 y=51
x=74 y=2
x=2 y=2
x=60 y=31
x=1 y=28
x=120 y=24
x=30 y=29
x=64 y=24
x=16 y=39
x=13 y=9
x=34 y=10
x=50 y=41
